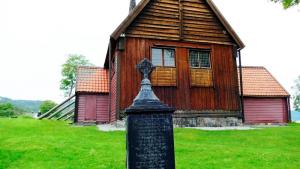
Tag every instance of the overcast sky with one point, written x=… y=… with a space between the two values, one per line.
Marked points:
x=37 y=35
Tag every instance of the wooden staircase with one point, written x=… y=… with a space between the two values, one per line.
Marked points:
x=64 y=111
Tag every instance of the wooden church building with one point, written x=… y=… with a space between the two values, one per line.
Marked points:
x=194 y=50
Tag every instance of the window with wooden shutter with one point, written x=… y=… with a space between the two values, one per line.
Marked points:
x=165 y=73
x=200 y=68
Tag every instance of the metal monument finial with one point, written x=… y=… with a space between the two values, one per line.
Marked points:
x=145 y=67
x=146 y=99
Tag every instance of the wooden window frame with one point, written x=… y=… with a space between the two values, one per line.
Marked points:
x=163 y=55
x=189 y=59
x=203 y=68
x=156 y=83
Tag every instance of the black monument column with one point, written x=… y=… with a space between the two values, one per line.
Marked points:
x=150 y=141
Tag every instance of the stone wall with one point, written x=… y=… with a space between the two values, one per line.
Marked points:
x=202 y=119
x=206 y=122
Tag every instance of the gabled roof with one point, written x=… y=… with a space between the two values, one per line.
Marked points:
x=129 y=19
x=92 y=80
x=259 y=82
x=139 y=8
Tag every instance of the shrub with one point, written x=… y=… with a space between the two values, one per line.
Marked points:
x=6 y=110
x=46 y=106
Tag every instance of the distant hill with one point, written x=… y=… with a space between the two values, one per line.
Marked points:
x=27 y=105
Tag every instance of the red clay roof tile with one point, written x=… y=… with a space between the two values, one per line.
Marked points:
x=259 y=82
x=92 y=80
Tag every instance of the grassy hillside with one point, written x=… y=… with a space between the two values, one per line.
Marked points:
x=26 y=105
x=27 y=143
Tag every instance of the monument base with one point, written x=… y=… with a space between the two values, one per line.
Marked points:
x=150 y=141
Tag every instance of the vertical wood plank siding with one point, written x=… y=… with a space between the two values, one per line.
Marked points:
x=222 y=96
x=113 y=102
x=190 y=20
x=102 y=109
x=93 y=108
x=265 y=110
x=81 y=108
x=90 y=109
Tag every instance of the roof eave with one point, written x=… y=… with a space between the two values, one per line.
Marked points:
x=128 y=20
x=231 y=31
x=92 y=92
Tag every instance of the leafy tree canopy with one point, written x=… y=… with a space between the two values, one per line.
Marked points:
x=6 y=110
x=46 y=106
x=68 y=72
x=287 y=3
x=296 y=96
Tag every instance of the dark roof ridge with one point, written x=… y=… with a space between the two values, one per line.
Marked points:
x=130 y=17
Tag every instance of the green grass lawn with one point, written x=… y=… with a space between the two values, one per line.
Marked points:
x=27 y=143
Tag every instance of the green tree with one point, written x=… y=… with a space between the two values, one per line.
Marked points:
x=287 y=3
x=68 y=72
x=46 y=106
x=296 y=96
x=6 y=110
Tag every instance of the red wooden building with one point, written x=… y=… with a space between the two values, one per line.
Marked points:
x=194 y=50
x=265 y=100
x=92 y=95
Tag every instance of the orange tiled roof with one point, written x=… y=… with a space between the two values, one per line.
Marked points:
x=258 y=81
x=92 y=79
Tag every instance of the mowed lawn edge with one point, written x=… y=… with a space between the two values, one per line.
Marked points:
x=29 y=143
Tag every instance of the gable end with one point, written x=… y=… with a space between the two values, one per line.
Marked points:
x=187 y=20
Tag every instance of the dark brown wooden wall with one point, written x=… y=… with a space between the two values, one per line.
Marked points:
x=188 y=20
x=222 y=96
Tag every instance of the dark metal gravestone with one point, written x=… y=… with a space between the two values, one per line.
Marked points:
x=150 y=141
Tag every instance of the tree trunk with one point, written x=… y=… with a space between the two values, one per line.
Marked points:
x=71 y=89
